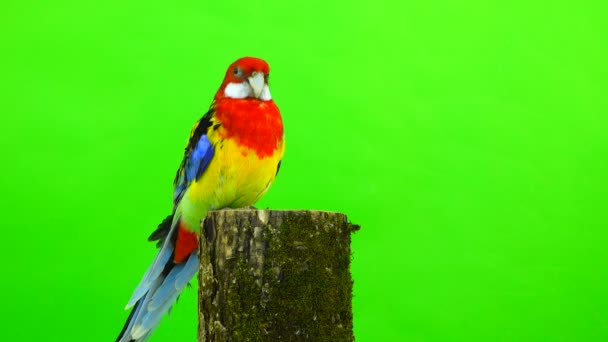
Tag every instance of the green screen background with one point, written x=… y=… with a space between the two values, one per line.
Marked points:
x=467 y=138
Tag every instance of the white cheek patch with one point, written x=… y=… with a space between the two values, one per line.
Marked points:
x=238 y=90
x=243 y=90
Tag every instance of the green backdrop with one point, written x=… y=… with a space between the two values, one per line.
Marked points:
x=468 y=138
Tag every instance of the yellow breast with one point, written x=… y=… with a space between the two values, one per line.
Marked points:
x=236 y=177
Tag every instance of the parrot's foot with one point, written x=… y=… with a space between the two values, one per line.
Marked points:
x=248 y=207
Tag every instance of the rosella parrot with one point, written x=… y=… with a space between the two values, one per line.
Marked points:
x=232 y=157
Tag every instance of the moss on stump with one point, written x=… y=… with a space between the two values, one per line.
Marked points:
x=275 y=276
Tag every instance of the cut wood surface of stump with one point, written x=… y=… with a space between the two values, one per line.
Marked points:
x=275 y=276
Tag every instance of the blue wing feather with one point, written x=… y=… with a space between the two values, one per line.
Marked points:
x=199 y=158
x=199 y=153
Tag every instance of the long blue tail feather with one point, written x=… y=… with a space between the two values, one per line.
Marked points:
x=158 y=290
x=159 y=299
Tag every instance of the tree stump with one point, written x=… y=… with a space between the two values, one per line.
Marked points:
x=275 y=276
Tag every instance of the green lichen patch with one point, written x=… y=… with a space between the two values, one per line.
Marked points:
x=313 y=289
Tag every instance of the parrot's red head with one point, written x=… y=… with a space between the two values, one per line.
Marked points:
x=247 y=78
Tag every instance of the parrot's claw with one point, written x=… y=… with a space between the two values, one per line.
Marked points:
x=251 y=207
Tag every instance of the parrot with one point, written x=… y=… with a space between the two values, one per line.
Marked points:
x=232 y=157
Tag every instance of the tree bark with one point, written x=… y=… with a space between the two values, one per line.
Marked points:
x=275 y=276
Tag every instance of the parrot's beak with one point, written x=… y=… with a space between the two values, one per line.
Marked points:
x=256 y=81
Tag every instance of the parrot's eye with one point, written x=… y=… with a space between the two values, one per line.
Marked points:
x=238 y=72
